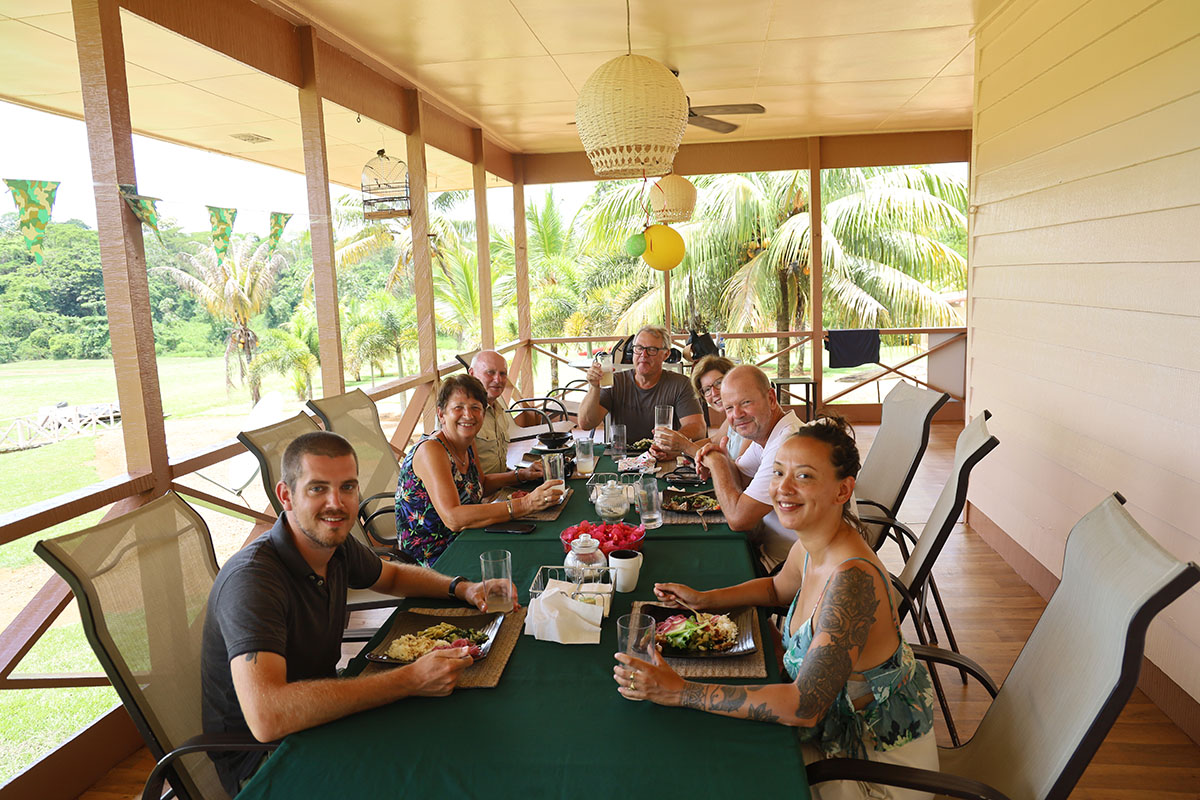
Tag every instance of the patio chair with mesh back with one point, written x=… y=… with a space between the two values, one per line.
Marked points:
x=142 y=581
x=891 y=463
x=915 y=581
x=1071 y=679
x=267 y=444
x=355 y=416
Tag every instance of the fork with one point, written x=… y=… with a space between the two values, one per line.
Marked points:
x=703 y=521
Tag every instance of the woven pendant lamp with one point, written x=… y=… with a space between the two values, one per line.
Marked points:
x=673 y=199
x=631 y=115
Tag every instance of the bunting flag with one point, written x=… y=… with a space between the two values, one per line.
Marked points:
x=221 y=220
x=34 y=200
x=279 y=221
x=143 y=208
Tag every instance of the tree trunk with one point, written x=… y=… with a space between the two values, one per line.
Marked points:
x=400 y=374
x=783 y=321
x=554 y=366
x=799 y=325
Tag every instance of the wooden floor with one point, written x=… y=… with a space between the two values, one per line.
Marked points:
x=992 y=611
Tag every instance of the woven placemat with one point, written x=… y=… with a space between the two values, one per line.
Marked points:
x=483 y=674
x=545 y=515
x=691 y=518
x=750 y=665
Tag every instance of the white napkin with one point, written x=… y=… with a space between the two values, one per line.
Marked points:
x=605 y=589
x=554 y=617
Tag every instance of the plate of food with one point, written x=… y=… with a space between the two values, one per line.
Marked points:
x=638 y=447
x=689 y=502
x=682 y=635
x=414 y=634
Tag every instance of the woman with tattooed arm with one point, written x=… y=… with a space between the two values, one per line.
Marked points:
x=856 y=690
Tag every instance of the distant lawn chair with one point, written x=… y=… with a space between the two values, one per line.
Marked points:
x=142 y=582
x=242 y=469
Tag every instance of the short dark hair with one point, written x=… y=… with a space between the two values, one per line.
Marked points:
x=467 y=384
x=317 y=443
x=836 y=432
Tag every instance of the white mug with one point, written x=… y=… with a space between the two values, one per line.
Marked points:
x=627 y=564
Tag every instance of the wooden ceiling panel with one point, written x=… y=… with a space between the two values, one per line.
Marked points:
x=934 y=119
x=600 y=26
x=412 y=32
x=798 y=19
x=167 y=53
x=46 y=64
x=281 y=133
x=344 y=125
x=67 y=103
x=867 y=57
x=63 y=25
x=19 y=9
x=179 y=105
x=880 y=97
x=500 y=81
x=723 y=66
x=950 y=93
x=261 y=91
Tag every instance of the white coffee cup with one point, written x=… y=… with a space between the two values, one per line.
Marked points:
x=626 y=564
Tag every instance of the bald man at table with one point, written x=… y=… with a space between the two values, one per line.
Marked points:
x=272 y=635
x=492 y=439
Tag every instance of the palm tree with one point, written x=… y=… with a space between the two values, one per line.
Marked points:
x=748 y=254
x=292 y=350
x=233 y=290
x=383 y=326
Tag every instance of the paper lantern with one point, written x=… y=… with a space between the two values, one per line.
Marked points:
x=635 y=245
x=631 y=115
x=673 y=198
x=664 y=247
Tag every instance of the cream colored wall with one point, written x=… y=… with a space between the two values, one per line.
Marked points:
x=1084 y=307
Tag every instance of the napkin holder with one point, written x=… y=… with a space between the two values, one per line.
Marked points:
x=597 y=588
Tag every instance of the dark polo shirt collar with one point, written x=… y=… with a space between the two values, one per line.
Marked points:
x=281 y=539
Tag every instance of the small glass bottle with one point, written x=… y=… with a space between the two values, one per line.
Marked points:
x=583 y=561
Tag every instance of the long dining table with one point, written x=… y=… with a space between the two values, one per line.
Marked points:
x=555 y=725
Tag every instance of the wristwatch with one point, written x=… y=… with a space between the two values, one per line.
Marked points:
x=454 y=585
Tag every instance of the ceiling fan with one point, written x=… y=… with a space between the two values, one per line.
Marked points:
x=702 y=116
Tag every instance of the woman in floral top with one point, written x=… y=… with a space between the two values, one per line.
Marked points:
x=440 y=491
x=856 y=690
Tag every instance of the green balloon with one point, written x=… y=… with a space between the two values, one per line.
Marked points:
x=635 y=245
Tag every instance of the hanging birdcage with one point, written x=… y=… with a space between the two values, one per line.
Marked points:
x=385 y=188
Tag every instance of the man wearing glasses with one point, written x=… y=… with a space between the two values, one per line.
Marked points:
x=635 y=393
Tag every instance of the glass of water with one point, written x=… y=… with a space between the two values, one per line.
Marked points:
x=664 y=417
x=649 y=502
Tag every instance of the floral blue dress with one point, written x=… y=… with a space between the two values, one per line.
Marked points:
x=421 y=531
x=900 y=711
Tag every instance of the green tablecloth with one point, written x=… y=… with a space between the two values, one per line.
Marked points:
x=555 y=727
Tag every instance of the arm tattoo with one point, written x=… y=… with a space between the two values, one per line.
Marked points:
x=252 y=658
x=726 y=699
x=846 y=616
x=693 y=696
x=761 y=713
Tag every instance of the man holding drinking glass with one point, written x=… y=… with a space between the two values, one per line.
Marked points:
x=635 y=393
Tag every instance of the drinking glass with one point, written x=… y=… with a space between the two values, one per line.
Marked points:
x=635 y=636
x=649 y=502
x=664 y=417
x=585 y=459
x=631 y=481
x=496 y=568
x=616 y=445
x=555 y=470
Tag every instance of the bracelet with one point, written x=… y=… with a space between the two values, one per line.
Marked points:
x=511 y=515
x=517 y=474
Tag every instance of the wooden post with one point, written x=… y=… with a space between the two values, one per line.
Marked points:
x=487 y=332
x=667 y=304
x=418 y=181
x=814 y=217
x=521 y=268
x=101 y=51
x=320 y=217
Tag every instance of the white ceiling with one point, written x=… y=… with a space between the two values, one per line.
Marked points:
x=515 y=68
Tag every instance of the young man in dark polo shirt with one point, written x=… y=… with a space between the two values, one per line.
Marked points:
x=272 y=636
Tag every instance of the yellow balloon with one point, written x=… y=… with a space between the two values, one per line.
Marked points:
x=664 y=247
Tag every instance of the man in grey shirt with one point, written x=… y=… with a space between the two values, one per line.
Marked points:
x=635 y=393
